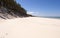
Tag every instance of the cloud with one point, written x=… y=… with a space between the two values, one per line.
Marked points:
x=30 y=12
x=33 y=13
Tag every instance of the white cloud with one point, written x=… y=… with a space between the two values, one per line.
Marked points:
x=30 y=12
x=33 y=13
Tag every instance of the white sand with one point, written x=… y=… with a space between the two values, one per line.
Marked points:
x=31 y=27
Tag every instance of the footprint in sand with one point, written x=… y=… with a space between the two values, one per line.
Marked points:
x=3 y=35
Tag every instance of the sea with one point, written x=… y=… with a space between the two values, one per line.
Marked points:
x=50 y=17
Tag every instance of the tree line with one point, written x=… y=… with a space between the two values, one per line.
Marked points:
x=13 y=6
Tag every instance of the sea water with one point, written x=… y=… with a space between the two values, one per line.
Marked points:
x=51 y=17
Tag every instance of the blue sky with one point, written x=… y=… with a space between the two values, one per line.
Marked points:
x=41 y=7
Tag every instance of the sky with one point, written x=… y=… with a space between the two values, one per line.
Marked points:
x=41 y=7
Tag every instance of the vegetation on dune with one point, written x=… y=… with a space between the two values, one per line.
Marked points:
x=12 y=5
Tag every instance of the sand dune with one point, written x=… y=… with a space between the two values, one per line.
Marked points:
x=31 y=27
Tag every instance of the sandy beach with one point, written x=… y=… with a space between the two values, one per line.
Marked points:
x=30 y=27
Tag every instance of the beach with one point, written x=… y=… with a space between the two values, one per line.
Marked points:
x=30 y=27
